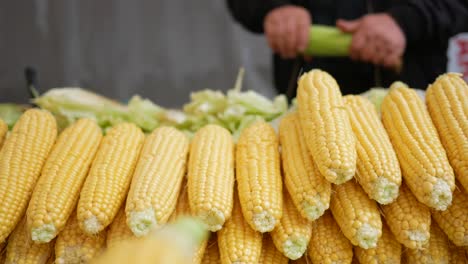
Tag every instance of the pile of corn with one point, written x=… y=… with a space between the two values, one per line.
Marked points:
x=337 y=184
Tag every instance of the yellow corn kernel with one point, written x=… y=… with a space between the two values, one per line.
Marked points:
x=211 y=255
x=378 y=170
x=357 y=215
x=454 y=220
x=182 y=207
x=237 y=241
x=457 y=254
x=107 y=184
x=388 y=250
x=156 y=183
x=309 y=190
x=58 y=189
x=21 y=249
x=3 y=132
x=448 y=107
x=211 y=175
x=422 y=158
x=74 y=246
x=21 y=160
x=328 y=132
x=118 y=231
x=328 y=245
x=408 y=219
x=271 y=255
x=292 y=235
x=436 y=252
x=259 y=177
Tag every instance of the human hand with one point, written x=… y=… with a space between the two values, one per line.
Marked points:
x=377 y=38
x=287 y=30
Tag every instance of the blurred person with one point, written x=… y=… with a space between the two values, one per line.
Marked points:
x=391 y=39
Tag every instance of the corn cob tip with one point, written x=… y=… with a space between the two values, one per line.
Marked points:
x=441 y=195
x=368 y=236
x=142 y=222
x=398 y=84
x=387 y=190
x=295 y=247
x=316 y=209
x=214 y=219
x=418 y=239
x=44 y=233
x=339 y=176
x=92 y=225
x=264 y=222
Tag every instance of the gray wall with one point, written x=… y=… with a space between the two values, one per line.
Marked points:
x=160 y=49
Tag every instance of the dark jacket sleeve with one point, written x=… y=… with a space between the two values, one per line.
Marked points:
x=251 y=13
x=431 y=20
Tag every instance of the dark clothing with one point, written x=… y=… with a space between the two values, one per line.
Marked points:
x=427 y=25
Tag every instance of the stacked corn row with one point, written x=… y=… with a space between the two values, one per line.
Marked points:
x=356 y=189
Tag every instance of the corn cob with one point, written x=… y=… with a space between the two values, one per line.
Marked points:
x=329 y=136
x=3 y=132
x=378 y=170
x=408 y=219
x=211 y=175
x=437 y=251
x=423 y=160
x=388 y=250
x=259 y=176
x=21 y=249
x=57 y=190
x=271 y=255
x=211 y=255
x=74 y=246
x=119 y=231
x=309 y=190
x=107 y=184
x=21 y=159
x=182 y=207
x=157 y=180
x=237 y=241
x=357 y=215
x=292 y=235
x=454 y=220
x=457 y=254
x=328 y=245
x=448 y=107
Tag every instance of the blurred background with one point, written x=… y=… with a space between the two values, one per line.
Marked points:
x=161 y=50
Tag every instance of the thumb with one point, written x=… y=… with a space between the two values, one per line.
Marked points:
x=348 y=26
